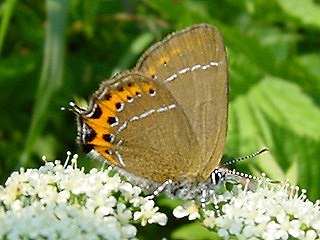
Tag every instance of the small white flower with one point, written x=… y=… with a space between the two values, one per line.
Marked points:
x=128 y=231
x=63 y=196
x=223 y=233
x=180 y=212
x=129 y=191
x=190 y=209
x=311 y=235
x=123 y=213
x=210 y=219
x=17 y=205
x=149 y=214
x=236 y=228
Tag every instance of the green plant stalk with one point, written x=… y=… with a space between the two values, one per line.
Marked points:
x=5 y=21
x=51 y=74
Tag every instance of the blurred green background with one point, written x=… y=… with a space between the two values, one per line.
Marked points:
x=55 y=51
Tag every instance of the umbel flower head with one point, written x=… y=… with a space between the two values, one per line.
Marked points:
x=264 y=211
x=64 y=202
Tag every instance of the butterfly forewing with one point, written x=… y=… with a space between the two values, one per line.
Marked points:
x=142 y=129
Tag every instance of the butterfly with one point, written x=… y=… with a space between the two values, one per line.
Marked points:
x=165 y=119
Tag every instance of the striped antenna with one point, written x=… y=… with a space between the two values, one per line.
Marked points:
x=246 y=157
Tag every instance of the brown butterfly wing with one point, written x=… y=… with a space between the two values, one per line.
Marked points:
x=134 y=123
x=192 y=64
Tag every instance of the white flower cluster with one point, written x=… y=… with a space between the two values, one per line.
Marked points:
x=270 y=211
x=64 y=202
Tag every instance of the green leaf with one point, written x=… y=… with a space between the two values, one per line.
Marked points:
x=277 y=114
x=306 y=11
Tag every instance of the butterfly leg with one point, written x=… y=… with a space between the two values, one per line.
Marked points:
x=160 y=189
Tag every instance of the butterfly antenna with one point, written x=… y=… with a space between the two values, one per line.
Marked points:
x=73 y=108
x=246 y=157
